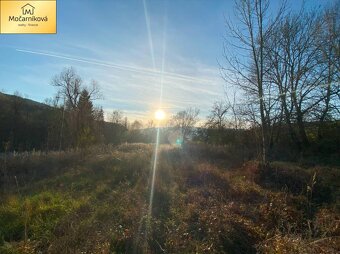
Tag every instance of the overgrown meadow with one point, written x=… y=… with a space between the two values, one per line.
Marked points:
x=206 y=200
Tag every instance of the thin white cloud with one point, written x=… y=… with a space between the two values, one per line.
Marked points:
x=136 y=69
x=135 y=90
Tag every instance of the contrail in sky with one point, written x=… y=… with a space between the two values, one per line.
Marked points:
x=120 y=67
x=163 y=59
x=148 y=28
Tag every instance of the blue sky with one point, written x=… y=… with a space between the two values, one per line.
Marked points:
x=108 y=41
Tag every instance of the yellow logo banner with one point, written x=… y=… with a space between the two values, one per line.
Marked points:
x=28 y=17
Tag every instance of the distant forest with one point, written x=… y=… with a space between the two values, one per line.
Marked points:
x=27 y=125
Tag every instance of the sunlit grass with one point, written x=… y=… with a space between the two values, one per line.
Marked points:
x=103 y=204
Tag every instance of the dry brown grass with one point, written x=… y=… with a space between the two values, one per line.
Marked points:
x=203 y=203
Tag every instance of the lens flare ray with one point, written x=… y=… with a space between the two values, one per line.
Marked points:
x=154 y=167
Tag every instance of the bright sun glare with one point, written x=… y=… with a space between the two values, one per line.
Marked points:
x=159 y=114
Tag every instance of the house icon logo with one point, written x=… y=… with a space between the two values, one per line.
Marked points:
x=27 y=9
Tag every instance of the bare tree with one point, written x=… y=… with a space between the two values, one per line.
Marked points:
x=117 y=117
x=329 y=43
x=218 y=115
x=247 y=70
x=294 y=67
x=235 y=110
x=185 y=121
x=70 y=86
x=94 y=90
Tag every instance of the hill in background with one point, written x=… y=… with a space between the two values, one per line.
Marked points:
x=27 y=125
x=24 y=122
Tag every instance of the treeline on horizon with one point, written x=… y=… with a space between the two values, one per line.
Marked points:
x=286 y=72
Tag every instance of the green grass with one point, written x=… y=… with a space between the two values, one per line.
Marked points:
x=203 y=202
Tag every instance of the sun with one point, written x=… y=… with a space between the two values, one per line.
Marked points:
x=159 y=114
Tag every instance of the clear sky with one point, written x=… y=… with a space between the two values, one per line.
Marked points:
x=109 y=41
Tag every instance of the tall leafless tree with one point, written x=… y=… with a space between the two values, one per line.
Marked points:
x=70 y=86
x=294 y=68
x=329 y=43
x=247 y=70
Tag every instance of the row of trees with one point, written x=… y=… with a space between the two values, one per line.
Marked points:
x=287 y=67
x=183 y=122
x=79 y=124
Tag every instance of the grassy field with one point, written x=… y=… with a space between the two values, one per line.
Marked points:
x=206 y=200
